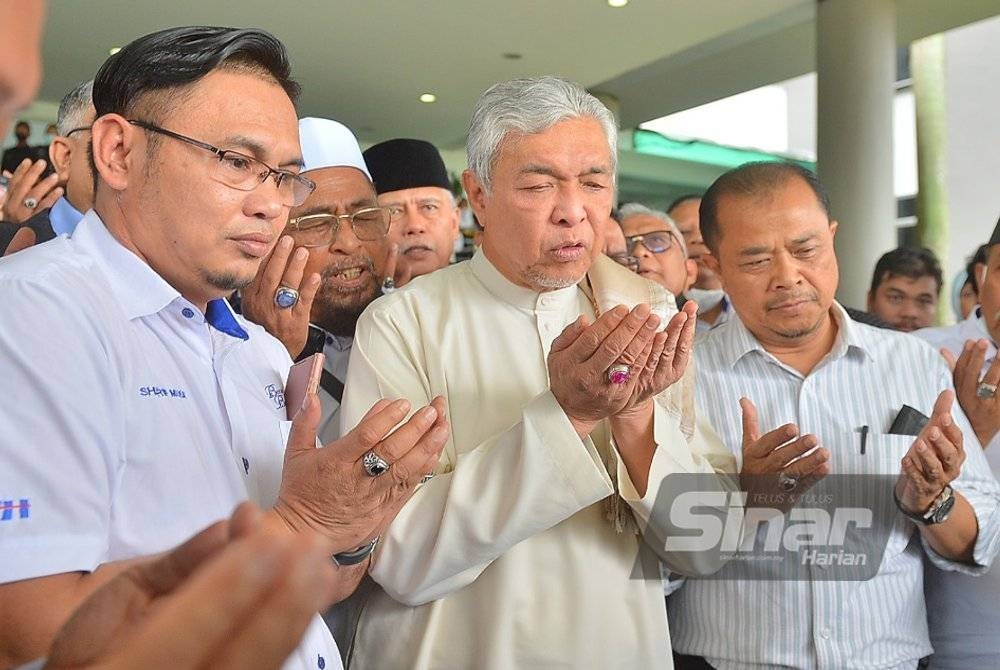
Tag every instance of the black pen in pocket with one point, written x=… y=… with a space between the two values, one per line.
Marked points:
x=864 y=439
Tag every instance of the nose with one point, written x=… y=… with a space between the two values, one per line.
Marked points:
x=569 y=207
x=411 y=221
x=640 y=251
x=785 y=272
x=266 y=202
x=345 y=241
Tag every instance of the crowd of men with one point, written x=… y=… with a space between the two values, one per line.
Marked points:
x=481 y=473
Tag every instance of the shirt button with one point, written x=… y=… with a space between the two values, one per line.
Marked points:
x=188 y=312
x=825 y=633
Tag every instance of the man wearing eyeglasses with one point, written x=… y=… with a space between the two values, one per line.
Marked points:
x=154 y=410
x=332 y=260
x=653 y=239
x=68 y=156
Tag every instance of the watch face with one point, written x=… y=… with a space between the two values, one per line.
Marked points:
x=941 y=513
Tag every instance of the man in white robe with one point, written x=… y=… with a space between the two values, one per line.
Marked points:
x=524 y=550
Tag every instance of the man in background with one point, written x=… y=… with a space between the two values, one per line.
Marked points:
x=654 y=240
x=713 y=305
x=906 y=286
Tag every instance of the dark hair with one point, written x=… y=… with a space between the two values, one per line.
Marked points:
x=752 y=179
x=681 y=200
x=177 y=57
x=912 y=262
x=970 y=267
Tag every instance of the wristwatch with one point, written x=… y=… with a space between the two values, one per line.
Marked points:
x=356 y=556
x=938 y=511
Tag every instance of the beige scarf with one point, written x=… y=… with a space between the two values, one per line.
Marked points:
x=608 y=285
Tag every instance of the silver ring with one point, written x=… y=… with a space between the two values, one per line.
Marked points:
x=286 y=298
x=374 y=464
x=619 y=374
x=388 y=285
x=786 y=481
x=30 y=202
x=985 y=390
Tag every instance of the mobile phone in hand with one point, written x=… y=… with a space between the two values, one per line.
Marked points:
x=303 y=379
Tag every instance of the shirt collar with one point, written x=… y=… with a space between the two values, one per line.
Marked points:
x=739 y=341
x=140 y=291
x=63 y=217
x=519 y=296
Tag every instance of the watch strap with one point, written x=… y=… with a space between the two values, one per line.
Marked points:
x=356 y=556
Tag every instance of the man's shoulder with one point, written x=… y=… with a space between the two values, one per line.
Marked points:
x=53 y=263
x=944 y=336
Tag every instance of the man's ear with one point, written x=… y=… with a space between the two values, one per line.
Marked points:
x=476 y=194
x=871 y=302
x=114 y=143
x=833 y=228
x=60 y=151
x=692 y=273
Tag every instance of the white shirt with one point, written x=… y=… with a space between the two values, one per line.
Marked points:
x=864 y=380
x=963 y=612
x=131 y=422
x=505 y=559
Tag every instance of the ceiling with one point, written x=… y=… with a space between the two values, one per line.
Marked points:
x=366 y=63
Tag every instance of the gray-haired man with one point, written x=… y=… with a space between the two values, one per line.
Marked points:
x=521 y=551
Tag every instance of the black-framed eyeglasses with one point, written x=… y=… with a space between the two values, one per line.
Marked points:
x=242 y=172
x=320 y=230
x=631 y=262
x=76 y=130
x=656 y=241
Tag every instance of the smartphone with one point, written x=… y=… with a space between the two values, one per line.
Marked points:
x=303 y=379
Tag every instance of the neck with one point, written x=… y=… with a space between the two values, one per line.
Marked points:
x=804 y=353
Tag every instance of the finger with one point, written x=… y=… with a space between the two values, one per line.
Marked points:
x=569 y=335
x=992 y=375
x=274 y=268
x=167 y=572
x=927 y=463
x=948 y=453
x=751 y=431
x=50 y=198
x=371 y=430
x=307 y=293
x=611 y=348
x=277 y=623
x=815 y=465
x=763 y=447
x=391 y=262
x=302 y=436
x=685 y=343
x=942 y=406
x=422 y=458
x=292 y=276
x=246 y=519
x=636 y=351
x=793 y=453
x=208 y=610
x=25 y=237
x=675 y=329
x=966 y=374
x=26 y=177
x=594 y=336
x=393 y=447
x=949 y=359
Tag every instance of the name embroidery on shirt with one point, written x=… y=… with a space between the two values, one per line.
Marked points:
x=7 y=508
x=275 y=394
x=160 y=392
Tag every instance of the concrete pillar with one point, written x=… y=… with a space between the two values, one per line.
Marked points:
x=856 y=70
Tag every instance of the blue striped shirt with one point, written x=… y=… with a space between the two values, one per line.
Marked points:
x=864 y=380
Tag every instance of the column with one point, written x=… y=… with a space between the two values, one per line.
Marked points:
x=856 y=71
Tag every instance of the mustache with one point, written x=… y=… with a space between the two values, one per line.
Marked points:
x=430 y=246
x=789 y=299
x=353 y=262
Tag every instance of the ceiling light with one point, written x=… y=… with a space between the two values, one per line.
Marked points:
x=428 y=97
x=617 y=3
x=113 y=50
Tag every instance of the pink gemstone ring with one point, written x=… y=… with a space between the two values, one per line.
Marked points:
x=619 y=374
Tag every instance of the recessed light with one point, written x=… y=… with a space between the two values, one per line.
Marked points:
x=113 y=50
x=617 y=3
x=428 y=97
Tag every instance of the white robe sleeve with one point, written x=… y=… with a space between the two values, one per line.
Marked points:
x=496 y=494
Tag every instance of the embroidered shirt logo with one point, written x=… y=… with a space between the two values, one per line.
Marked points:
x=275 y=394
x=160 y=392
x=9 y=507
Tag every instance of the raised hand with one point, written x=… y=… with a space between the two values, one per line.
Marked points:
x=775 y=465
x=328 y=490
x=28 y=193
x=974 y=397
x=933 y=460
x=283 y=269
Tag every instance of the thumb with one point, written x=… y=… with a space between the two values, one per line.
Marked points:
x=751 y=430
x=303 y=434
x=569 y=335
x=402 y=273
x=942 y=406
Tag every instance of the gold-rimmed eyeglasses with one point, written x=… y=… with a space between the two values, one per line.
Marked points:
x=320 y=230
